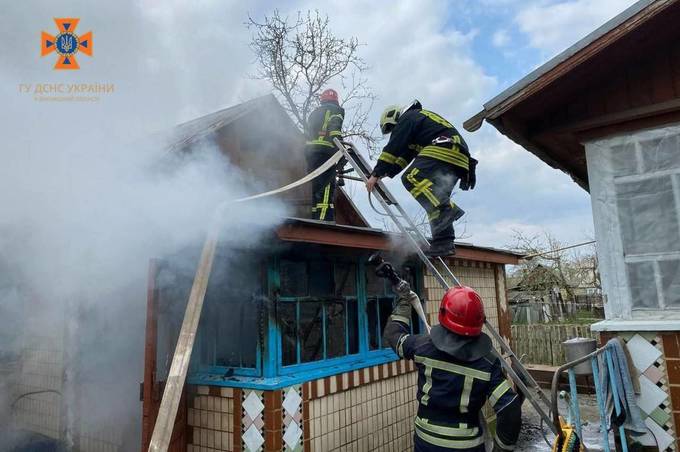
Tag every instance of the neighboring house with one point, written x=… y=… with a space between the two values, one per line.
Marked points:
x=607 y=112
x=289 y=354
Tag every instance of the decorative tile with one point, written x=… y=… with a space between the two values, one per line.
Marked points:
x=650 y=395
x=292 y=435
x=663 y=439
x=653 y=373
x=660 y=416
x=253 y=405
x=642 y=352
x=252 y=439
x=292 y=400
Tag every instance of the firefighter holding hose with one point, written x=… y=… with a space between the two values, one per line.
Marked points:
x=457 y=372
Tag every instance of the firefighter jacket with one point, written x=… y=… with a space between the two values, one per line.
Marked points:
x=452 y=388
x=413 y=136
x=324 y=124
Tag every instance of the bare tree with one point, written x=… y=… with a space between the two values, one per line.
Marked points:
x=300 y=57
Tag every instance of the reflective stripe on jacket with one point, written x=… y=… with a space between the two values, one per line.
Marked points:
x=324 y=124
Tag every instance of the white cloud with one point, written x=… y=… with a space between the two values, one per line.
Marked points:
x=554 y=26
x=500 y=38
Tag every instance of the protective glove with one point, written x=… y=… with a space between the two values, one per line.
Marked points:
x=402 y=311
x=469 y=182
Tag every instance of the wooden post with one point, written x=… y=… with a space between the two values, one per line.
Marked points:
x=150 y=355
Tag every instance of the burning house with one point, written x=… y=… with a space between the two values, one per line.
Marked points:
x=288 y=354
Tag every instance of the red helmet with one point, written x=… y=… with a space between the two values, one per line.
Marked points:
x=462 y=311
x=329 y=95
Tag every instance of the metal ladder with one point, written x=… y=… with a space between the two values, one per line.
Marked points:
x=407 y=226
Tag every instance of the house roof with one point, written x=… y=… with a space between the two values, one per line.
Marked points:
x=185 y=134
x=323 y=233
x=552 y=87
x=357 y=235
x=189 y=131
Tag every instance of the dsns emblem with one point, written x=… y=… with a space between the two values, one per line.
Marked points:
x=66 y=43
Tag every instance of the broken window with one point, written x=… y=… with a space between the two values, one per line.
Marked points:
x=317 y=313
x=380 y=300
x=232 y=317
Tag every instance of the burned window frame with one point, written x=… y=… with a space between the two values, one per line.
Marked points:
x=365 y=355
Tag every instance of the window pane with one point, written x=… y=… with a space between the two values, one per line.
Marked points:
x=335 y=329
x=624 y=161
x=661 y=154
x=386 y=304
x=373 y=325
x=647 y=216
x=321 y=279
x=374 y=284
x=293 y=279
x=345 y=280
x=670 y=281
x=288 y=325
x=642 y=284
x=353 y=326
x=233 y=305
x=311 y=335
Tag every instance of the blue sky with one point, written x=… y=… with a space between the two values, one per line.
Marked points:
x=175 y=60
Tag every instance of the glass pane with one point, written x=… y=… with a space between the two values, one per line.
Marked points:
x=288 y=325
x=346 y=280
x=386 y=305
x=661 y=154
x=372 y=316
x=311 y=335
x=624 y=161
x=647 y=216
x=335 y=329
x=670 y=282
x=321 y=279
x=642 y=284
x=293 y=279
x=353 y=326
x=232 y=302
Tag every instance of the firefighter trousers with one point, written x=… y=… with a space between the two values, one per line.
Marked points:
x=431 y=182
x=323 y=187
x=420 y=445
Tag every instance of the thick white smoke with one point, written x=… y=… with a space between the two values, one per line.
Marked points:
x=86 y=199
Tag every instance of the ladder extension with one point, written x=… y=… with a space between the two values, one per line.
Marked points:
x=526 y=383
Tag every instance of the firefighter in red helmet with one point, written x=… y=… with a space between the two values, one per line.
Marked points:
x=457 y=373
x=323 y=124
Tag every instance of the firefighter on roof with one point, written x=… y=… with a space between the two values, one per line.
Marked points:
x=440 y=159
x=457 y=373
x=323 y=124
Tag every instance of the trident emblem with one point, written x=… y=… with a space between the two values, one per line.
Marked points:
x=66 y=43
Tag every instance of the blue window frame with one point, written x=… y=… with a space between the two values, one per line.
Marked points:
x=330 y=311
x=291 y=317
x=229 y=340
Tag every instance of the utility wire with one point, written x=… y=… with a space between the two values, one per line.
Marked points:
x=543 y=253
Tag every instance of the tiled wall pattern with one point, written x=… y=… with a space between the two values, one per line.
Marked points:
x=41 y=368
x=211 y=418
x=292 y=419
x=377 y=416
x=647 y=352
x=478 y=275
x=252 y=423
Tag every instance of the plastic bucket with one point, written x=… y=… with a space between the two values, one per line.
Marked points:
x=579 y=347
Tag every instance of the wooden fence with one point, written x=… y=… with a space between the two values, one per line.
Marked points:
x=542 y=343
